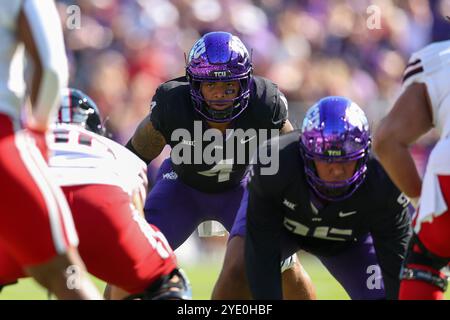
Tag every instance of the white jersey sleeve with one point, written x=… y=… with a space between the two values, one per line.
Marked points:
x=45 y=28
x=431 y=66
x=80 y=157
x=45 y=25
x=12 y=58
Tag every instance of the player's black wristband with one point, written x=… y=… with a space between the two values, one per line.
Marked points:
x=130 y=147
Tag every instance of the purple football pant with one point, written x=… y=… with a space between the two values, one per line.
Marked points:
x=355 y=268
x=177 y=209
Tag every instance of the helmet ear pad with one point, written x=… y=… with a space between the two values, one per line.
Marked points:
x=219 y=56
x=335 y=129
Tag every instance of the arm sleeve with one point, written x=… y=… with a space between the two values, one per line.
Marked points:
x=45 y=26
x=275 y=111
x=280 y=111
x=262 y=246
x=391 y=233
x=158 y=113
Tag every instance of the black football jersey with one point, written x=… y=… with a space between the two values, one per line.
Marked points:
x=173 y=114
x=283 y=203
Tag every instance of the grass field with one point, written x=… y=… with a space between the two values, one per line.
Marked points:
x=202 y=278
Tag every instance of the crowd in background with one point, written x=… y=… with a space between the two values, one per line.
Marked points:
x=123 y=49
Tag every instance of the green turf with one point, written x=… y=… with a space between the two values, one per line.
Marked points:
x=28 y=289
x=202 y=278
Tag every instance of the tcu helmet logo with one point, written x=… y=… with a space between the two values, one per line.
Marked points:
x=357 y=117
x=220 y=74
x=334 y=153
x=197 y=50
x=237 y=45
x=312 y=119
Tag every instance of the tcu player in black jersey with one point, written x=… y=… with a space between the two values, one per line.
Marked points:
x=331 y=199
x=217 y=97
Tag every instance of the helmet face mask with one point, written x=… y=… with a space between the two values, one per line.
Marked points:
x=78 y=108
x=219 y=56
x=335 y=130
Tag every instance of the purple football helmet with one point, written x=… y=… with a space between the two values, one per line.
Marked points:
x=219 y=56
x=335 y=129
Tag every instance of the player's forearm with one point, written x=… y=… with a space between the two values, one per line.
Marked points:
x=262 y=283
x=391 y=237
x=264 y=278
x=400 y=166
x=406 y=122
x=391 y=146
x=262 y=259
x=40 y=31
x=391 y=253
x=147 y=143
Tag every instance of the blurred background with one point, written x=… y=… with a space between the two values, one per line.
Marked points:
x=121 y=50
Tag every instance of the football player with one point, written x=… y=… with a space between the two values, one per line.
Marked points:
x=329 y=198
x=104 y=184
x=423 y=104
x=218 y=93
x=36 y=226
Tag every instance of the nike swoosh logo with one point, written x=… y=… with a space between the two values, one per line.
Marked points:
x=346 y=214
x=243 y=140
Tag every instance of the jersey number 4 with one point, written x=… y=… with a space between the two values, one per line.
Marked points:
x=222 y=170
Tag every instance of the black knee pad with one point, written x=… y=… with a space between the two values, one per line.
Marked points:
x=167 y=288
x=424 y=258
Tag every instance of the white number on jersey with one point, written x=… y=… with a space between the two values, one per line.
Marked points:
x=321 y=232
x=155 y=238
x=403 y=200
x=222 y=170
